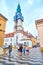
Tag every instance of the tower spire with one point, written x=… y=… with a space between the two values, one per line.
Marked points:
x=18 y=1
x=18 y=8
x=18 y=14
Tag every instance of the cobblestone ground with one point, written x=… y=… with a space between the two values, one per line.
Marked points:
x=33 y=58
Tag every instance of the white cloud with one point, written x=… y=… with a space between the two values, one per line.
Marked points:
x=37 y=13
x=30 y=2
x=5 y=9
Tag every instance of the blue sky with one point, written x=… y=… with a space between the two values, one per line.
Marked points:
x=31 y=10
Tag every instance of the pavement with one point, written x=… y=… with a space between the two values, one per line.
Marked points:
x=33 y=58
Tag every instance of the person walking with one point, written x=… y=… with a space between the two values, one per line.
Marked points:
x=27 y=50
x=10 y=50
x=20 y=50
x=24 y=50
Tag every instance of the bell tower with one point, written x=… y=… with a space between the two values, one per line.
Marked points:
x=18 y=19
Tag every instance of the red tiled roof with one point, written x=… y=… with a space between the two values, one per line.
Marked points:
x=39 y=21
x=21 y=31
x=9 y=35
x=25 y=33
x=3 y=17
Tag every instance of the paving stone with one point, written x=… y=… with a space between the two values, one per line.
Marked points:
x=34 y=58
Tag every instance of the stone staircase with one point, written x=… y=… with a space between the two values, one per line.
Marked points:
x=34 y=58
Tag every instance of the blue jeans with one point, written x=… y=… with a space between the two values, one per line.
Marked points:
x=9 y=54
